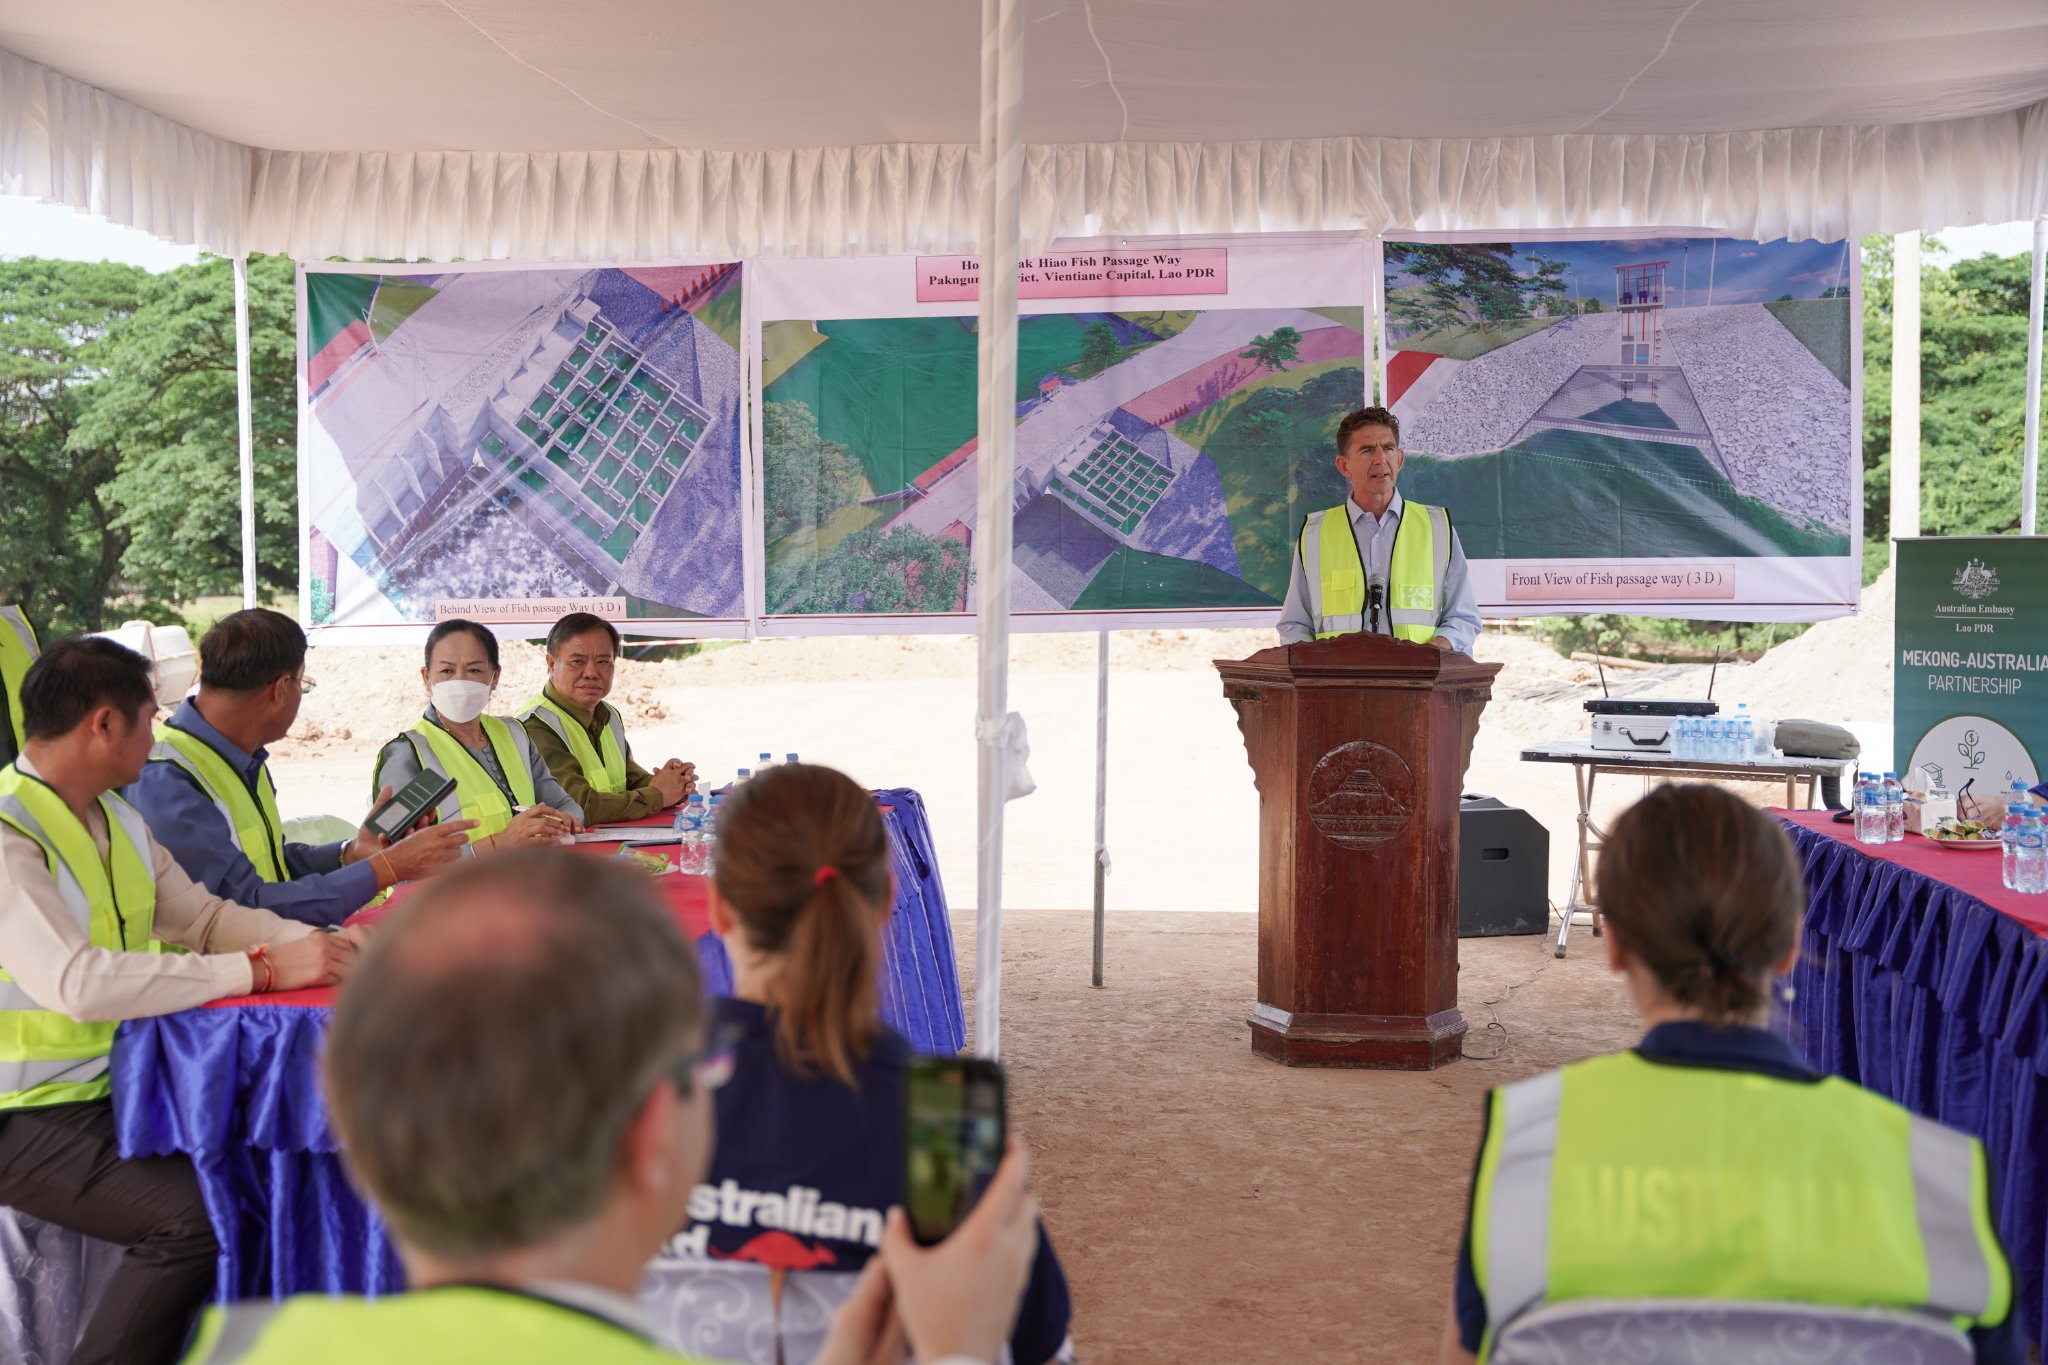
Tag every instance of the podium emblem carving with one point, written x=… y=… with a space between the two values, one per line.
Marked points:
x=1361 y=795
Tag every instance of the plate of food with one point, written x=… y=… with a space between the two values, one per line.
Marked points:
x=1965 y=836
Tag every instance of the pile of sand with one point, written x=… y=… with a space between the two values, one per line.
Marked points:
x=1839 y=671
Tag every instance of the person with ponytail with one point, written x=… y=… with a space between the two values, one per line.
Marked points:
x=1711 y=1162
x=809 y=1156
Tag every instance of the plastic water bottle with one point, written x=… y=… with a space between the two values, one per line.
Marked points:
x=744 y=775
x=711 y=836
x=1894 y=809
x=1681 y=737
x=789 y=758
x=1870 y=815
x=1745 y=733
x=2030 y=863
x=692 y=852
x=2010 y=837
x=764 y=763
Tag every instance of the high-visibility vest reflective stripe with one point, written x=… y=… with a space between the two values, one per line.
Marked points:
x=606 y=773
x=46 y=1057
x=253 y=821
x=427 y=1327
x=18 y=649
x=1419 y=569
x=1619 y=1178
x=477 y=796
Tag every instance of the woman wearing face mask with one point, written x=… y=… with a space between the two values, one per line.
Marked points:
x=501 y=781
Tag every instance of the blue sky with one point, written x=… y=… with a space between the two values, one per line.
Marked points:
x=1701 y=270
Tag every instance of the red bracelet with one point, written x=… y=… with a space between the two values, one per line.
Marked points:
x=261 y=953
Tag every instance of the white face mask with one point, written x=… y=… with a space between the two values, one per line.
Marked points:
x=461 y=701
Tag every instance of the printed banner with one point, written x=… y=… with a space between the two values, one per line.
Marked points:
x=1664 y=426
x=513 y=444
x=1970 y=690
x=1175 y=406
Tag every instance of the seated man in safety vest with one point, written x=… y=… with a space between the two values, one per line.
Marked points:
x=1379 y=563
x=209 y=799
x=581 y=736
x=521 y=1077
x=85 y=895
x=18 y=649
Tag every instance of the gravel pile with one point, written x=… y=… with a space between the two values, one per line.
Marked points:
x=1779 y=416
x=1490 y=399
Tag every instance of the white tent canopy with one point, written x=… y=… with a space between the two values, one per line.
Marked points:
x=637 y=129
x=642 y=130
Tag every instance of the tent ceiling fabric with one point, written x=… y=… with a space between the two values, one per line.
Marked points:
x=619 y=75
x=644 y=129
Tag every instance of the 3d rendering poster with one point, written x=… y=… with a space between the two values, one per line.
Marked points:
x=512 y=444
x=1653 y=424
x=1175 y=405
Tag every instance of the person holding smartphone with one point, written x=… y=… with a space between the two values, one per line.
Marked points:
x=528 y=1160
x=812 y=1119
x=501 y=781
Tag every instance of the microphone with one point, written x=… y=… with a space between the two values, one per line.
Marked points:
x=1375 y=594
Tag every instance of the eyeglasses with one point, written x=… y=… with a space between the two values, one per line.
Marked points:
x=305 y=685
x=710 y=1066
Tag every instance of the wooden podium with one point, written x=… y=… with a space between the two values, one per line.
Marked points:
x=1358 y=747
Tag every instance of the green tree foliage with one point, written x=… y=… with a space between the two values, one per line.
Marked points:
x=805 y=479
x=1275 y=352
x=60 y=546
x=1099 y=350
x=1276 y=453
x=904 y=570
x=166 y=401
x=1462 y=283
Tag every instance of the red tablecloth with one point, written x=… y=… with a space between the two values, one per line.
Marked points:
x=689 y=899
x=1976 y=873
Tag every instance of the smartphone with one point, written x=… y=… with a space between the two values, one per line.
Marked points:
x=954 y=1128
x=394 y=816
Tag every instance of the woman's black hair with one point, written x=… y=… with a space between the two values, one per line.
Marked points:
x=448 y=628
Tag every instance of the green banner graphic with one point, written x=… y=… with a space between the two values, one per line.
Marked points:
x=1970 y=690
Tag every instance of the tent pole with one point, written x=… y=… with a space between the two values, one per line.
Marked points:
x=1002 y=173
x=1101 y=787
x=245 y=422
x=1905 y=385
x=2030 y=465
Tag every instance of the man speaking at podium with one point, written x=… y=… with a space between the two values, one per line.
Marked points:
x=1379 y=563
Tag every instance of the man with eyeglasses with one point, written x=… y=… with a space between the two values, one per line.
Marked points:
x=1379 y=563
x=209 y=799
x=530 y=1160
x=581 y=737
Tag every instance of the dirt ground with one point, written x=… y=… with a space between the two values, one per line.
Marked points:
x=1210 y=1205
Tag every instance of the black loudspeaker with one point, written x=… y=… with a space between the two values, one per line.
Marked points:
x=1503 y=870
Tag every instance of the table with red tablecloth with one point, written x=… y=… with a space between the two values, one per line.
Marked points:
x=236 y=1085
x=1922 y=978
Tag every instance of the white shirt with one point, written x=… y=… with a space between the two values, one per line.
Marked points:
x=53 y=959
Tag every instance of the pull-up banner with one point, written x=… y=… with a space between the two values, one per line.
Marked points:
x=1652 y=424
x=1176 y=409
x=512 y=444
x=1970 y=692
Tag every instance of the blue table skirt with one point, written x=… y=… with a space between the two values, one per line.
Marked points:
x=1931 y=997
x=238 y=1090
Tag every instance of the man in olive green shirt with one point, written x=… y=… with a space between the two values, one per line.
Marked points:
x=583 y=739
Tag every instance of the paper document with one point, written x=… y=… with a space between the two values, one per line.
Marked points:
x=627 y=834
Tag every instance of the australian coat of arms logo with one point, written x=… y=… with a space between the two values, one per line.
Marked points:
x=1976 y=581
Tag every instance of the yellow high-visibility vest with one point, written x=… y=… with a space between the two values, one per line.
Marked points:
x=18 y=649
x=477 y=796
x=1620 y=1178
x=253 y=821
x=1419 y=570
x=46 y=1057
x=604 y=772
x=457 y=1325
